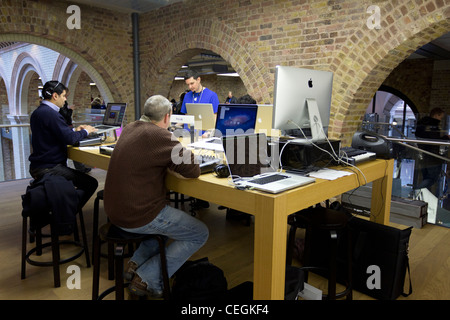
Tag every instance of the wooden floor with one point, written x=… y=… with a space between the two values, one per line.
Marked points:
x=230 y=247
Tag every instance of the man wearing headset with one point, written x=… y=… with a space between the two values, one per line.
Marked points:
x=50 y=136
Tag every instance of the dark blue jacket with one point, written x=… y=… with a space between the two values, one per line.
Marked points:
x=53 y=194
x=50 y=137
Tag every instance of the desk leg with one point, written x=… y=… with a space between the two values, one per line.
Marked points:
x=381 y=196
x=270 y=251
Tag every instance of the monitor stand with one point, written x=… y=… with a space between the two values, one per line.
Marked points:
x=317 y=132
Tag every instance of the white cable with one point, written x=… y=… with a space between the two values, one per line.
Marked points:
x=338 y=159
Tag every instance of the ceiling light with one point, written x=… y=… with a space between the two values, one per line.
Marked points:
x=234 y=74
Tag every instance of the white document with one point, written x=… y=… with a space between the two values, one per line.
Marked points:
x=329 y=174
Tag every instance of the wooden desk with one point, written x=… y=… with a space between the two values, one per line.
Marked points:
x=271 y=211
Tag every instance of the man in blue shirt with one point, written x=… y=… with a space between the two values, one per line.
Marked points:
x=198 y=93
x=50 y=136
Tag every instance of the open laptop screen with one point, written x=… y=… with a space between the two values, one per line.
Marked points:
x=114 y=114
x=235 y=119
x=246 y=154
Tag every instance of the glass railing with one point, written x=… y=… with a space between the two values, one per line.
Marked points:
x=419 y=176
x=15 y=148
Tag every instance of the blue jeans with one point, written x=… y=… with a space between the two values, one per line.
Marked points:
x=188 y=234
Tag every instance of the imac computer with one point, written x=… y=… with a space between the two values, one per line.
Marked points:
x=302 y=98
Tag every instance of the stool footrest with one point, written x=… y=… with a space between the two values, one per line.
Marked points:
x=50 y=263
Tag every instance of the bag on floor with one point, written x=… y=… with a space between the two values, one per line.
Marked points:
x=379 y=258
x=199 y=280
x=383 y=249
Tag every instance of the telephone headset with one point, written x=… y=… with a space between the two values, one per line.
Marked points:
x=49 y=91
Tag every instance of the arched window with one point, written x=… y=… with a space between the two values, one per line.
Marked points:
x=393 y=110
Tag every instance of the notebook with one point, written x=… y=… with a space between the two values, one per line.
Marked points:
x=232 y=119
x=249 y=165
x=113 y=118
x=203 y=113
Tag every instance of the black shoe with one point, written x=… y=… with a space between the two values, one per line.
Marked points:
x=202 y=204
x=199 y=204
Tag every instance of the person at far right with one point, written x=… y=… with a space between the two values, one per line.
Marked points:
x=429 y=128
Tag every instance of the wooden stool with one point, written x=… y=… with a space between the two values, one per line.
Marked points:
x=332 y=223
x=117 y=239
x=95 y=219
x=95 y=216
x=55 y=243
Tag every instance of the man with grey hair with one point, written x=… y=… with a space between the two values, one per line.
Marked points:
x=156 y=108
x=135 y=196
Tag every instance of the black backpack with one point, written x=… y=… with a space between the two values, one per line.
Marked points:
x=199 y=280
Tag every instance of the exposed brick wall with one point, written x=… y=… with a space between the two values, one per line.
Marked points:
x=440 y=88
x=83 y=94
x=255 y=36
x=33 y=93
x=413 y=78
x=3 y=98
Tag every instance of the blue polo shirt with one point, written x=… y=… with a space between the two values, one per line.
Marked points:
x=206 y=96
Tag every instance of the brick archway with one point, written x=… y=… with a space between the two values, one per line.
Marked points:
x=78 y=59
x=366 y=60
x=190 y=38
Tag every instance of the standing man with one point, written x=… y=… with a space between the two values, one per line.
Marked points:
x=135 y=196
x=50 y=136
x=230 y=99
x=198 y=93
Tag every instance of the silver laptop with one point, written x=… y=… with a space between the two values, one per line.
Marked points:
x=264 y=119
x=232 y=119
x=203 y=113
x=249 y=165
x=113 y=118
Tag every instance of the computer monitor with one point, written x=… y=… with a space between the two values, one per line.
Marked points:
x=302 y=98
x=235 y=119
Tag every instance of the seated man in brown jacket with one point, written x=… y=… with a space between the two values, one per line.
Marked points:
x=135 y=195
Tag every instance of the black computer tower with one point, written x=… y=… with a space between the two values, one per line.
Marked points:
x=308 y=156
